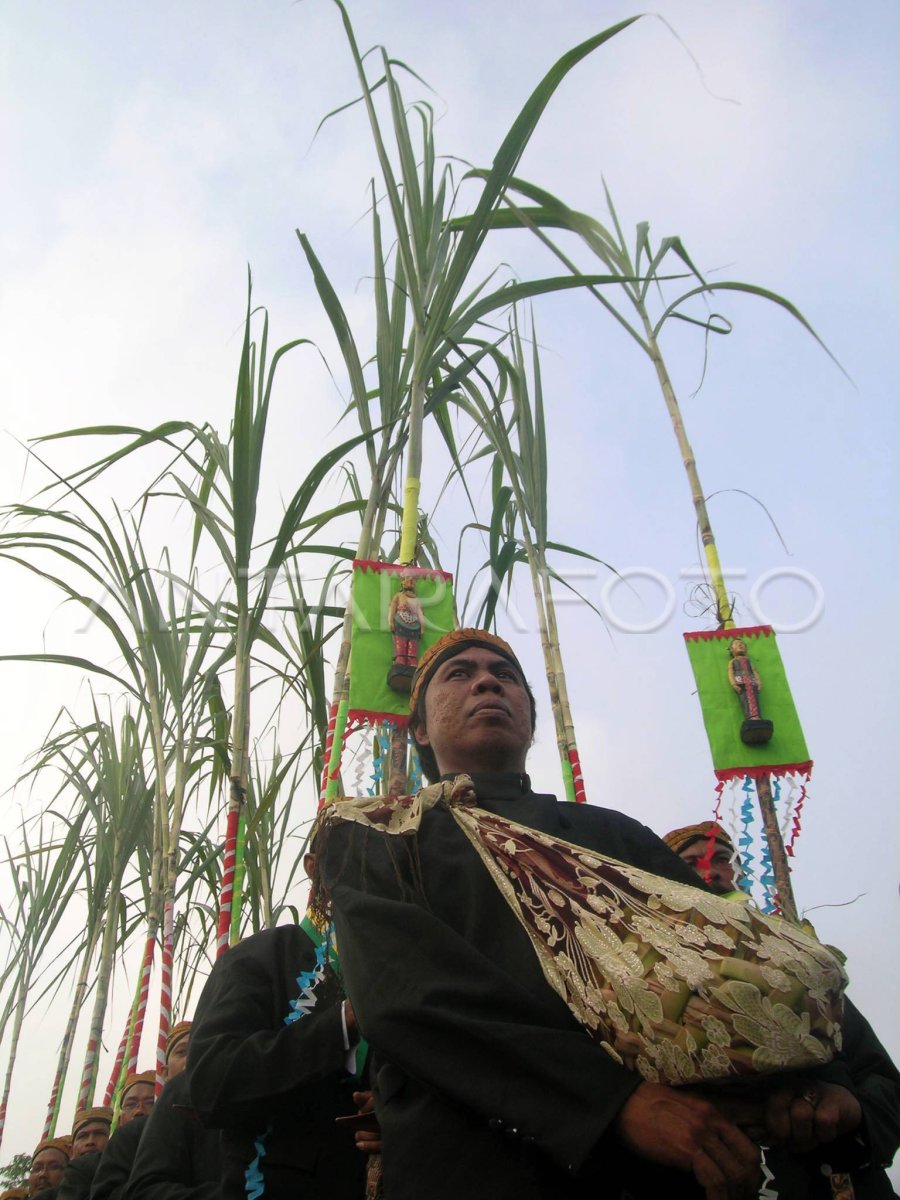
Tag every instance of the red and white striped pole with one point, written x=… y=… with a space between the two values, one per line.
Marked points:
x=227 y=894
x=577 y=777
x=88 y=1073
x=329 y=742
x=165 y=992
x=143 y=997
x=117 y=1066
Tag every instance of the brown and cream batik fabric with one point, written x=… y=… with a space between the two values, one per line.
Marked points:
x=678 y=984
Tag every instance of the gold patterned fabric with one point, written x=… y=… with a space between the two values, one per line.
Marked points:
x=672 y=981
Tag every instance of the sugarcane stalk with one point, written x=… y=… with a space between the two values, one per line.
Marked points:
x=143 y=995
x=569 y=749
x=239 y=873
x=724 y=607
x=223 y=932
x=724 y=612
x=552 y=666
x=165 y=990
x=337 y=720
x=398 y=772
x=117 y=1068
x=104 y=973
x=65 y=1050
x=24 y=984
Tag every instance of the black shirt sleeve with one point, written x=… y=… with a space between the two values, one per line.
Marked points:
x=243 y=1057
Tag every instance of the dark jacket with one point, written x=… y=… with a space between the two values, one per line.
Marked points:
x=486 y=1087
x=178 y=1157
x=116 y=1160
x=78 y=1177
x=267 y=1067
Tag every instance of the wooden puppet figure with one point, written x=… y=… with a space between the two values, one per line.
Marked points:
x=744 y=679
x=406 y=618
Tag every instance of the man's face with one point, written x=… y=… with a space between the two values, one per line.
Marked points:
x=46 y=1170
x=93 y=1135
x=177 y=1060
x=138 y=1102
x=719 y=874
x=477 y=714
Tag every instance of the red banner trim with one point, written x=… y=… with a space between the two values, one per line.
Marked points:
x=779 y=769
x=365 y=716
x=365 y=564
x=711 y=635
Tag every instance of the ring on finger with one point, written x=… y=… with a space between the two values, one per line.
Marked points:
x=811 y=1096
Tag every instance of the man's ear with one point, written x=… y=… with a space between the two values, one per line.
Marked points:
x=420 y=733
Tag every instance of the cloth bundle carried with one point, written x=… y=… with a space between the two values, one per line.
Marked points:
x=678 y=984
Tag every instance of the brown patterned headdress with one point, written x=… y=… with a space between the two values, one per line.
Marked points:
x=91 y=1114
x=449 y=646
x=176 y=1033
x=139 y=1077
x=680 y=839
x=55 y=1143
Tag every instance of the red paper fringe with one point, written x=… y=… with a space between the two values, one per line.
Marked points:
x=365 y=564
x=795 y=828
x=711 y=635
x=780 y=769
x=364 y=716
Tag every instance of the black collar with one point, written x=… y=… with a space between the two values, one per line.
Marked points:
x=499 y=785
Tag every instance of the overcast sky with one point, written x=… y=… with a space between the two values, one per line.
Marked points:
x=150 y=153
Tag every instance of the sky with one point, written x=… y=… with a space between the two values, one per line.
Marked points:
x=152 y=153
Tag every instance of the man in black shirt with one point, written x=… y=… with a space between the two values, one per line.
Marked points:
x=272 y=1064
x=485 y=1085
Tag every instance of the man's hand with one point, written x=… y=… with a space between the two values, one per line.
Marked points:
x=679 y=1129
x=808 y=1113
x=368 y=1138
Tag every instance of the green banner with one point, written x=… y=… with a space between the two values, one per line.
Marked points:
x=372 y=644
x=724 y=714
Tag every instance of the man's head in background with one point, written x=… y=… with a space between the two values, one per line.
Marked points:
x=709 y=851
x=138 y=1096
x=50 y=1159
x=90 y=1131
x=177 y=1048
